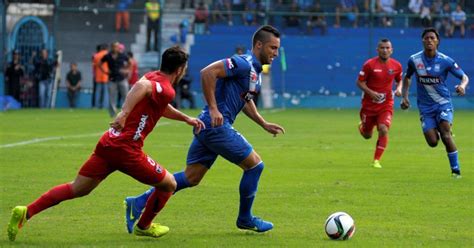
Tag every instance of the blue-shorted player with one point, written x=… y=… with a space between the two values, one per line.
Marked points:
x=229 y=86
x=433 y=96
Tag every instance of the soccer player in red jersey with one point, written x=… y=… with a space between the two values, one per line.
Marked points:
x=120 y=148
x=376 y=82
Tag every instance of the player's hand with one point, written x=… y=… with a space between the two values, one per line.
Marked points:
x=378 y=97
x=119 y=121
x=273 y=128
x=398 y=92
x=216 y=118
x=460 y=90
x=197 y=124
x=405 y=104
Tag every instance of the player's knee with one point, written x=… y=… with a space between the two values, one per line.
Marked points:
x=432 y=143
x=80 y=192
x=383 y=131
x=366 y=135
x=445 y=136
x=194 y=181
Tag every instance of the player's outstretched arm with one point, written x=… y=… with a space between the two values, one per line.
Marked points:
x=174 y=114
x=405 y=104
x=209 y=76
x=461 y=88
x=251 y=111
x=141 y=89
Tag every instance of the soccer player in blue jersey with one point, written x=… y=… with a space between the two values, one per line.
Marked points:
x=228 y=86
x=433 y=96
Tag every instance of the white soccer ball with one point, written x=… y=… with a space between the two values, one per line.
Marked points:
x=339 y=226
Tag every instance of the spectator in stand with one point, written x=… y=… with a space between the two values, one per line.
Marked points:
x=101 y=76
x=201 y=19
x=458 y=18
x=73 y=84
x=133 y=75
x=350 y=8
x=183 y=92
x=443 y=22
x=118 y=74
x=387 y=8
x=43 y=70
x=152 y=8
x=13 y=74
x=221 y=10
x=183 y=4
x=415 y=8
x=293 y=20
x=316 y=19
x=425 y=15
x=249 y=16
x=122 y=16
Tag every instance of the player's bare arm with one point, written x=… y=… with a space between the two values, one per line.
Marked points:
x=405 y=104
x=398 y=89
x=461 y=88
x=209 y=76
x=141 y=89
x=373 y=94
x=251 y=111
x=174 y=114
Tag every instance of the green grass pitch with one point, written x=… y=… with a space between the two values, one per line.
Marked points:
x=320 y=166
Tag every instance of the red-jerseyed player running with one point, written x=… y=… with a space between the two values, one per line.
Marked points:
x=120 y=148
x=376 y=81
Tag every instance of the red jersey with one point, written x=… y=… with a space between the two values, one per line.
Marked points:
x=379 y=77
x=144 y=115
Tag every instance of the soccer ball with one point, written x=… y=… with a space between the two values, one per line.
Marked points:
x=339 y=226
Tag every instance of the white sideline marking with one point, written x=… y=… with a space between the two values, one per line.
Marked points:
x=77 y=136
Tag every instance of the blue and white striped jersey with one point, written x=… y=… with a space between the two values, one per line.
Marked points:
x=431 y=75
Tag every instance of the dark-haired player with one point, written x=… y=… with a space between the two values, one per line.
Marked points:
x=433 y=96
x=120 y=148
x=228 y=86
x=376 y=82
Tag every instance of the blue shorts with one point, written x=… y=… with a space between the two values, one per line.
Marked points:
x=224 y=141
x=431 y=119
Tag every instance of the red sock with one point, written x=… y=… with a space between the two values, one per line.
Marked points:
x=53 y=197
x=381 y=144
x=153 y=206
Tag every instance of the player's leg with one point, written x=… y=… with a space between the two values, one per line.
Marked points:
x=81 y=186
x=444 y=127
x=366 y=124
x=430 y=129
x=253 y=167
x=199 y=160
x=156 y=202
x=384 y=121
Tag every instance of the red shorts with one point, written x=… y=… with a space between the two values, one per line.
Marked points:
x=136 y=164
x=370 y=119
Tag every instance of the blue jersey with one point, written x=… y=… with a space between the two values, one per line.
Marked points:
x=431 y=74
x=241 y=83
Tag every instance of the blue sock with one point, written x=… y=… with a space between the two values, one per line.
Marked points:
x=140 y=201
x=453 y=160
x=248 y=189
x=181 y=181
